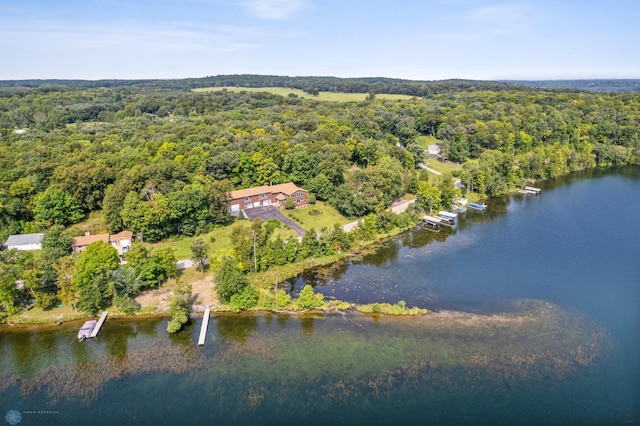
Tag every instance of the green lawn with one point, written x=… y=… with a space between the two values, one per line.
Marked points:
x=182 y=245
x=440 y=166
x=39 y=315
x=328 y=216
x=425 y=141
x=434 y=163
x=323 y=96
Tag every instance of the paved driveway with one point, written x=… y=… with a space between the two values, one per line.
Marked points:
x=269 y=212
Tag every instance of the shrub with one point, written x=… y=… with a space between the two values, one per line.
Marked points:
x=179 y=308
x=311 y=199
x=46 y=300
x=125 y=304
x=289 y=204
x=229 y=278
x=282 y=299
x=245 y=300
x=307 y=299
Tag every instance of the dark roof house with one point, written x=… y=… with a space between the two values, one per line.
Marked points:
x=25 y=242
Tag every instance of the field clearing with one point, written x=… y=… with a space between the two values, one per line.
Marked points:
x=328 y=216
x=323 y=96
x=425 y=141
x=440 y=166
x=182 y=245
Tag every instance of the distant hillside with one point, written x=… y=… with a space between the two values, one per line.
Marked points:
x=380 y=85
x=310 y=84
x=613 y=85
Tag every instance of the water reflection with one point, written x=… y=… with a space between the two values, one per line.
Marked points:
x=236 y=328
x=306 y=325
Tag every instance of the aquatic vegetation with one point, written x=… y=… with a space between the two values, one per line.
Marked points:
x=399 y=308
x=337 y=360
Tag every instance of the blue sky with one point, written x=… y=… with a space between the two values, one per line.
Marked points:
x=427 y=40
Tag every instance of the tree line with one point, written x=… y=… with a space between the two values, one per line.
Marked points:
x=161 y=162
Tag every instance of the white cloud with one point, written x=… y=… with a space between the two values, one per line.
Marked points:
x=273 y=9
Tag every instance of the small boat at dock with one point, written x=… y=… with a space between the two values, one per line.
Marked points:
x=477 y=206
x=86 y=329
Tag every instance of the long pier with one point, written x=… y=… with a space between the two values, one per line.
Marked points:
x=205 y=325
x=101 y=321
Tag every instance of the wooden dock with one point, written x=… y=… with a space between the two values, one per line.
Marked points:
x=205 y=325
x=98 y=326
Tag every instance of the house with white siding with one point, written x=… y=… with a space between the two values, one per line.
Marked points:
x=25 y=242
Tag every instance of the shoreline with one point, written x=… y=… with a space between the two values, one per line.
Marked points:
x=266 y=278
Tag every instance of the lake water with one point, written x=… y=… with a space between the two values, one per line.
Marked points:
x=549 y=287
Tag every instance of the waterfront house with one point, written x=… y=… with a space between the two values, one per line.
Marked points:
x=266 y=195
x=121 y=241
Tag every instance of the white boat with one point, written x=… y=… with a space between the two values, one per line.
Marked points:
x=86 y=329
x=448 y=217
x=477 y=206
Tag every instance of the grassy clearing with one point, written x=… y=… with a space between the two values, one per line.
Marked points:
x=440 y=166
x=39 y=315
x=182 y=245
x=425 y=141
x=323 y=96
x=328 y=216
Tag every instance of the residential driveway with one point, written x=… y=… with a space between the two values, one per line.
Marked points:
x=269 y=212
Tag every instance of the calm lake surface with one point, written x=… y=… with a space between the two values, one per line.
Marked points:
x=537 y=320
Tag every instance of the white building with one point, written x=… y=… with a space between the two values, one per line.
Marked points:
x=25 y=242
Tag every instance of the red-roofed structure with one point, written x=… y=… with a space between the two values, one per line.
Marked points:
x=266 y=195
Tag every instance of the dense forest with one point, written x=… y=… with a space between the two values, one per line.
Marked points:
x=160 y=161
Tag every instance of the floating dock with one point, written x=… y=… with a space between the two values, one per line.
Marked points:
x=532 y=190
x=101 y=321
x=205 y=325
